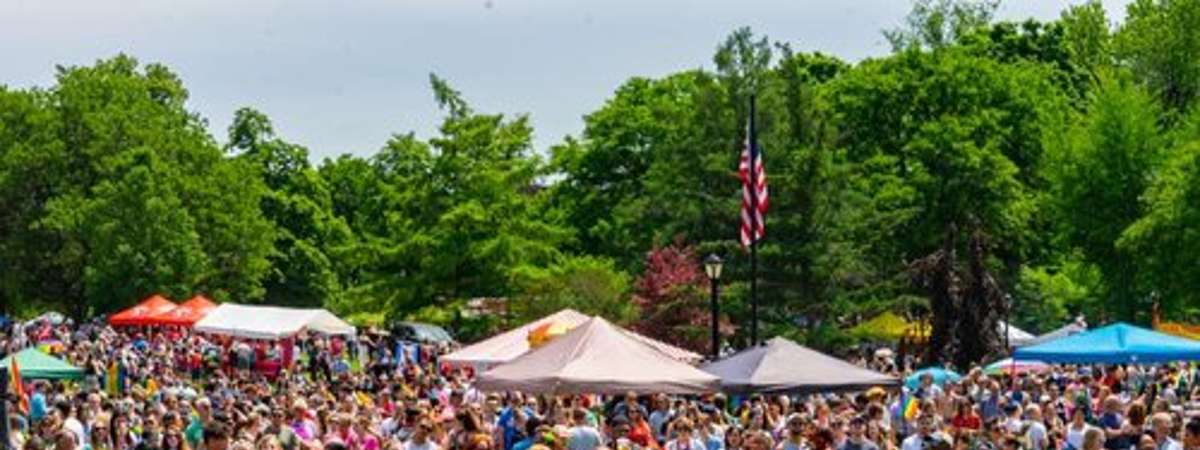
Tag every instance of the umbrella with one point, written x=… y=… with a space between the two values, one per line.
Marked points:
x=940 y=376
x=1007 y=366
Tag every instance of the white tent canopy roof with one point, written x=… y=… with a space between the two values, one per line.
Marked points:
x=1016 y=336
x=270 y=322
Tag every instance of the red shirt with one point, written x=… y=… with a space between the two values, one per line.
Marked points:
x=970 y=422
x=640 y=434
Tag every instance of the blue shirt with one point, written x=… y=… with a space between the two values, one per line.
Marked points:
x=37 y=407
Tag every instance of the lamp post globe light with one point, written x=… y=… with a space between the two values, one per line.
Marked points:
x=712 y=268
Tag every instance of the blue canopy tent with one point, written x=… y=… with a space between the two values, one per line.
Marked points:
x=1118 y=343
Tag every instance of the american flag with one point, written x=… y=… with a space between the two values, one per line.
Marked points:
x=753 y=228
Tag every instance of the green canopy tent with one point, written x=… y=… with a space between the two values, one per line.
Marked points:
x=35 y=365
x=888 y=327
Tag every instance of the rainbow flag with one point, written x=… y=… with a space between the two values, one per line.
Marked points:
x=112 y=379
x=18 y=387
x=151 y=387
x=909 y=408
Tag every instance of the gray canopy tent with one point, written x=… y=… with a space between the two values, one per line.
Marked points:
x=597 y=357
x=781 y=365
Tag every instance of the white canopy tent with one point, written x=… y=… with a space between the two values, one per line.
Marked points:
x=270 y=322
x=1016 y=336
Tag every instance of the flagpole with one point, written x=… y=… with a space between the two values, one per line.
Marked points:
x=4 y=407
x=754 y=226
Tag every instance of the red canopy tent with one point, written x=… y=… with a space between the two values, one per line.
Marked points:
x=142 y=314
x=187 y=313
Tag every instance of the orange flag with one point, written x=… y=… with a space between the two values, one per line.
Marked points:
x=18 y=386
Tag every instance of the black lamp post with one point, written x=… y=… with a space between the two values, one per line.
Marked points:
x=712 y=267
x=1007 y=320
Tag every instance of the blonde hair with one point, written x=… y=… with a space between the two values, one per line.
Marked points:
x=1093 y=439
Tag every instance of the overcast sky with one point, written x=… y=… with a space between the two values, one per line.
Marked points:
x=342 y=76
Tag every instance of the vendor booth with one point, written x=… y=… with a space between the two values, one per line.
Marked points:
x=1119 y=343
x=511 y=344
x=889 y=327
x=35 y=365
x=143 y=313
x=187 y=313
x=270 y=322
x=597 y=357
x=1016 y=336
x=781 y=366
x=1075 y=327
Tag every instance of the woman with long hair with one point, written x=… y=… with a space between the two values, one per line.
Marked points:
x=639 y=429
x=173 y=440
x=100 y=438
x=368 y=439
x=733 y=438
x=268 y=442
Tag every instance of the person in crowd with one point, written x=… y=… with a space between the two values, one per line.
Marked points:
x=215 y=437
x=164 y=400
x=1116 y=434
x=1191 y=435
x=856 y=436
x=421 y=437
x=793 y=438
x=583 y=436
x=1093 y=439
x=684 y=438
x=1163 y=431
x=1036 y=435
x=927 y=434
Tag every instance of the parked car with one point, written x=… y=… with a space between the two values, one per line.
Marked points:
x=420 y=332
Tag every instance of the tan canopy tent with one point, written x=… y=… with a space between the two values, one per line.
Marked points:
x=509 y=345
x=781 y=365
x=597 y=357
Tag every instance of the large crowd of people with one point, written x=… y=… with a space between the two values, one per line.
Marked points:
x=173 y=390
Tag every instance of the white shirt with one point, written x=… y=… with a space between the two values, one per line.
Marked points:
x=1170 y=444
x=76 y=427
x=1075 y=436
x=1036 y=435
x=917 y=442
x=428 y=445
x=1014 y=425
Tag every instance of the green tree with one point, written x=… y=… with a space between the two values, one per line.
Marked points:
x=1160 y=42
x=458 y=215
x=1164 y=240
x=587 y=284
x=1097 y=169
x=117 y=191
x=1088 y=37
x=300 y=207
x=935 y=24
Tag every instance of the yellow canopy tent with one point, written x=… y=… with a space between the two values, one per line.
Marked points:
x=1182 y=330
x=889 y=327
